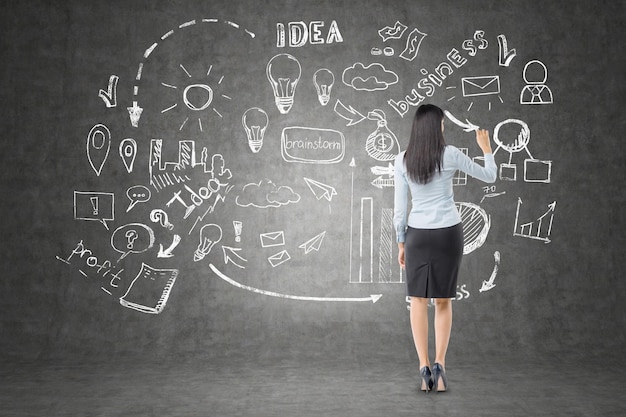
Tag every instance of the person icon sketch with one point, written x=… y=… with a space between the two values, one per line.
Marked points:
x=535 y=91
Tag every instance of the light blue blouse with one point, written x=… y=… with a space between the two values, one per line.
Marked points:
x=432 y=204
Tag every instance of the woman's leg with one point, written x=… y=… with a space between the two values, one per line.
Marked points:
x=419 y=328
x=443 y=327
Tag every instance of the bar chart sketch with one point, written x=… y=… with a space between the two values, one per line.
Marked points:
x=538 y=229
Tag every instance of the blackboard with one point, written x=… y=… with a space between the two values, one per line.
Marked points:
x=207 y=176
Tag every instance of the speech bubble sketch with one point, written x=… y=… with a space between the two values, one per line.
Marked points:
x=266 y=194
x=374 y=77
x=98 y=146
x=161 y=217
x=132 y=238
x=137 y=194
x=98 y=206
x=128 y=153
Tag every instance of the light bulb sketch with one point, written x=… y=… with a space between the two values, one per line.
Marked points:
x=255 y=122
x=283 y=72
x=323 y=79
x=210 y=235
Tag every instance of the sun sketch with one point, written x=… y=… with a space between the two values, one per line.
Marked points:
x=196 y=97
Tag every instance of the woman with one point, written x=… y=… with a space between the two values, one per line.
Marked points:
x=430 y=240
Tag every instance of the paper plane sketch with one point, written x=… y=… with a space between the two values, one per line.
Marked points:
x=313 y=244
x=98 y=146
x=320 y=190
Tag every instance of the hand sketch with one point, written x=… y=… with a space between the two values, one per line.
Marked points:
x=381 y=144
x=413 y=43
x=210 y=235
x=98 y=146
x=348 y=113
x=137 y=194
x=283 y=72
x=489 y=284
x=392 y=32
x=132 y=238
x=135 y=111
x=320 y=190
x=232 y=256
x=535 y=91
x=98 y=206
x=476 y=225
x=150 y=289
x=312 y=145
x=323 y=79
x=538 y=229
x=266 y=194
x=373 y=77
x=110 y=95
x=313 y=244
x=300 y=33
x=161 y=217
x=271 y=239
x=128 y=153
x=167 y=253
x=279 y=258
x=255 y=122
x=505 y=55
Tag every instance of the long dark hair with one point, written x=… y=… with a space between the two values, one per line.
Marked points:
x=424 y=154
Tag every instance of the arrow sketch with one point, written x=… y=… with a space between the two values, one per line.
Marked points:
x=313 y=244
x=167 y=253
x=372 y=298
x=505 y=55
x=468 y=127
x=350 y=114
x=110 y=96
x=320 y=190
x=489 y=284
x=230 y=255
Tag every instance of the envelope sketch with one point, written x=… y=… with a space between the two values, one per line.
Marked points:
x=271 y=239
x=279 y=258
x=480 y=86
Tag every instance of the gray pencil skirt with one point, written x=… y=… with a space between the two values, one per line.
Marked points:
x=432 y=261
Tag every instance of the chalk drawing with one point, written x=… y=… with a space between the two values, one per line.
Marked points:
x=460 y=177
x=135 y=111
x=232 y=256
x=299 y=33
x=271 y=239
x=98 y=206
x=538 y=229
x=366 y=241
x=150 y=289
x=255 y=122
x=373 y=77
x=309 y=145
x=167 y=253
x=132 y=238
x=279 y=258
x=110 y=95
x=384 y=177
x=161 y=217
x=467 y=126
x=98 y=146
x=536 y=170
x=386 y=260
x=210 y=235
x=490 y=283
x=535 y=91
x=505 y=55
x=323 y=79
x=238 y=226
x=413 y=42
x=313 y=244
x=348 y=113
x=137 y=194
x=372 y=298
x=128 y=153
x=352 y=166
x=266 y=194
x=392 y=32
x=381 y=144
x=320 y=190
x=478 y=86
x=283 y=72
x=490 y=191
x=476 y=225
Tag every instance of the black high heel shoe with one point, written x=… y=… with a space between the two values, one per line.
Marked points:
x=427 y=381
x=440 y=381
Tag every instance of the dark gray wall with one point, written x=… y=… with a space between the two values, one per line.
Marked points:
x=557 y=288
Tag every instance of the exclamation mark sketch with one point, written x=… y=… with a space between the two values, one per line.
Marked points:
x=94 y=205
x=238 y=226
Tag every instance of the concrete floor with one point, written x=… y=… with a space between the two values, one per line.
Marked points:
x=229 y=387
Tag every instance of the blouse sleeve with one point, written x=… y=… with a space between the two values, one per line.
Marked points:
x=487 y=173
x=401 y=193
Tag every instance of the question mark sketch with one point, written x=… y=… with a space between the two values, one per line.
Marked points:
x=132 y=238
x=160 y=216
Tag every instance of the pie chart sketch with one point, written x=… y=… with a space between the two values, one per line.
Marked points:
x=476 y=224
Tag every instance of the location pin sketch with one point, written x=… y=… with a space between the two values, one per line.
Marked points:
x=128 y=153
x=98 y=146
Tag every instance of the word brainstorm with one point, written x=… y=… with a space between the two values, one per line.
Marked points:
x=299 y=33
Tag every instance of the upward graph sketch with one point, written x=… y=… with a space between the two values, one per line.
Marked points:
x=538 y=229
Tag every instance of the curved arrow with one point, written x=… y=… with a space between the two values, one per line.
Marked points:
x=350 y=114
x=489 y=284
x=372 y=298
x=167 y=253
x=230 y=253
x=468 y=127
